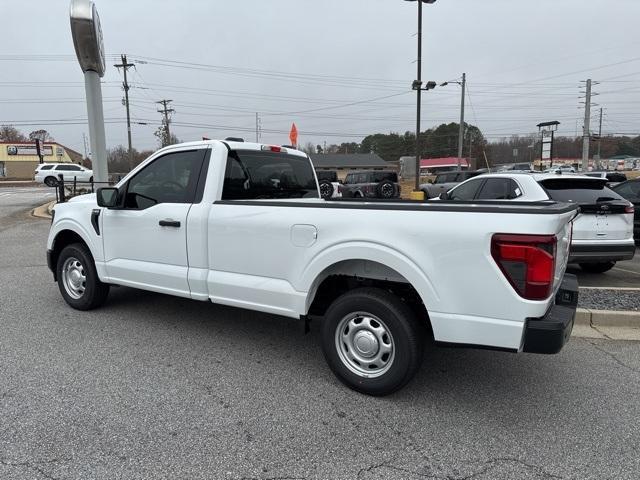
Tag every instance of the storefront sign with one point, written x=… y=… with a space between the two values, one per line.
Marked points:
x=28 y=150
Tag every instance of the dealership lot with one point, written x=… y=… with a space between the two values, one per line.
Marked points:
x=160 y=387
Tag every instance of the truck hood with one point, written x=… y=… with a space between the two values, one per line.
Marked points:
x=87 y=198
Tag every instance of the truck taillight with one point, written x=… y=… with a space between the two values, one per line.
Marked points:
x=629 y=209
x=527 y=261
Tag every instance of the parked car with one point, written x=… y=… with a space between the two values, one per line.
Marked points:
x=561 y=169
x=446 y=181
x=371 y=184
x=243 y=224
x=613 y=178
x=631 y=191
x=48 y=173
x=602 y=232
x=511 y=167
x=329 y=184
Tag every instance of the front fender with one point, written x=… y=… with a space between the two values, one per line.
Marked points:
x=313 y=273
x=88 y=236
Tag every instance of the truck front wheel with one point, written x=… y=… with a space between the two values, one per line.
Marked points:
x=78 y=280
x=372 y=341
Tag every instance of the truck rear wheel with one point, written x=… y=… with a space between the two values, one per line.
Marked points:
x=372 y=341
x=78 y=280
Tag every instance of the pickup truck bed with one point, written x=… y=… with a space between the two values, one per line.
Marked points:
x=381 y=273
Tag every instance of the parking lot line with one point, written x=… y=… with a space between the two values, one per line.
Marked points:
x=631 y=289
x=625 y=270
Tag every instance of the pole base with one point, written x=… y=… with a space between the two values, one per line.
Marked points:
x=416 y=195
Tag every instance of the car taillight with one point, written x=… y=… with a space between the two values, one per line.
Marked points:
x=629 y=209
x=527 y=261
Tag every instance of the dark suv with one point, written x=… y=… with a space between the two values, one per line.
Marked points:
x=371 y=184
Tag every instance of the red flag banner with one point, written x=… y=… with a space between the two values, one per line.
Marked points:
x=293 y=135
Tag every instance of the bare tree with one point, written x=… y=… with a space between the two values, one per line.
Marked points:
x=9 y=133
x=41 y=135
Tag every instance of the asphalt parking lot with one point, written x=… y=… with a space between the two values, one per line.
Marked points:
x=152 y=386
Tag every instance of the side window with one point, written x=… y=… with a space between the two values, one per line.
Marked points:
x=74 y=168
x=499 y=189
x=171 y=178
x=46 y=167
x=348 y=179
x=465 y=191
x=251 y=175
x=362 y=178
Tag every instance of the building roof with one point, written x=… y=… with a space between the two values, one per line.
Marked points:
x=443 y=162
x=348 y=160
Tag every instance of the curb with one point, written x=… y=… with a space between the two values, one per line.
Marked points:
x=43 y=211
x=607 y=318
x=18 y=183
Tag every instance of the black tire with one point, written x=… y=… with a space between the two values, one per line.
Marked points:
x=597 y=267
x=386 y=189
x=358 y=195
x=326 y=189
x=406 y=338
x=50 y=181
x=94 y=292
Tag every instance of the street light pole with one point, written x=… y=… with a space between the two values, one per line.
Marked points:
x=418 y=83
x=461 y=133
x=419 y=97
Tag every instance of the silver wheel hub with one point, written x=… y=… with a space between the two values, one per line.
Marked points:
x=74 y=278
x=364 y=344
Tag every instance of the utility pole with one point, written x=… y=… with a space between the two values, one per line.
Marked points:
x=166 y=111
x=125 y=66
x=600 y=135
x=461 y=133
x=586 y=128
x=84 y=141
x=258 y=128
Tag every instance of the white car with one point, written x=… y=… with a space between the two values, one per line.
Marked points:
x=561 y=169
x=602 y=233
x=48 y=173
x=243 y=224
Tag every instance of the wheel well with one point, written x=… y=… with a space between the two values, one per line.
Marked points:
x=336 y=283
x=64 y=238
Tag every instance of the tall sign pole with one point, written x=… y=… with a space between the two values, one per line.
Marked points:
x=586 y=129
x=461 y=132
x=87 y=40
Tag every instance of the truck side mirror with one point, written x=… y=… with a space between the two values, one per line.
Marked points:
x=107 y=197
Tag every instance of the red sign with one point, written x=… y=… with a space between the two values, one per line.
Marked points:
x=293 y=135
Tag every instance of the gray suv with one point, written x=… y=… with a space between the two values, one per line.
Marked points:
x=446 y=181
x=371 y=184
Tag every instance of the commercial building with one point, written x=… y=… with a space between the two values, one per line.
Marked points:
x=18 y=160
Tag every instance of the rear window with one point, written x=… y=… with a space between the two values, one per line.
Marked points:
x=46 y=167
x=579 y=191
x=251 y=175
x=381 y=176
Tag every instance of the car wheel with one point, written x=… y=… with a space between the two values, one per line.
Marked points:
x=78 y=280
x=372 y=341
x=597 y=267
x=358 y=195
x=385 y=189
x=50 y=181
x=326 y=190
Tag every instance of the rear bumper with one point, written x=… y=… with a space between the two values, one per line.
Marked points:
x=550 y=333
x=607 y=252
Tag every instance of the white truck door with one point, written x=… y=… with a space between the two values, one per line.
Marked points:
x=145 y=241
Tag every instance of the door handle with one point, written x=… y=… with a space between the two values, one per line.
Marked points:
x=169 y=223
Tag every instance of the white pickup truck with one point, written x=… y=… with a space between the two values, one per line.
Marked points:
x=243 y=224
